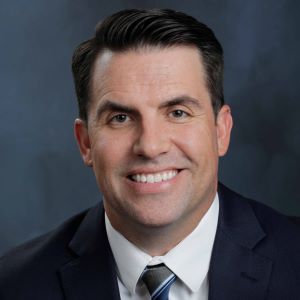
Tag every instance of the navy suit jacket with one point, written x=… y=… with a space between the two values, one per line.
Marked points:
x=256 y=255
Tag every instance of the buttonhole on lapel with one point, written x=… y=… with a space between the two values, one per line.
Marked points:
x=248 y=276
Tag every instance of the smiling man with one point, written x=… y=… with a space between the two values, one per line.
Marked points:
x=152 y=124
x=153 y=141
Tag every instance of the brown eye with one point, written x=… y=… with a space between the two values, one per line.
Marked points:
x=178 y=113
x=120 y=118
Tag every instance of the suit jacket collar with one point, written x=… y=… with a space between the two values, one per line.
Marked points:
x=91 y=273
x=237 y=271
x=237 y=219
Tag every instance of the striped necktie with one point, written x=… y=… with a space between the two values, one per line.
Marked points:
x=158 y=280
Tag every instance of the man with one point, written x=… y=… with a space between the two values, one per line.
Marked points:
x=153 y=125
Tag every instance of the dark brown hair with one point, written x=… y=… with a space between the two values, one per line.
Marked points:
x=135 y=28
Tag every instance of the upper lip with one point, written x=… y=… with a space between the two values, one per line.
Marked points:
x=151 y=170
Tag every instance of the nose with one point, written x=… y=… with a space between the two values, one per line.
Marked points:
x=152 y=140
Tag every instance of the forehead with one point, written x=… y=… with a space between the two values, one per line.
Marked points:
x=150 y=72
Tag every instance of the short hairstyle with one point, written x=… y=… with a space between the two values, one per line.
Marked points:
x=134 y=28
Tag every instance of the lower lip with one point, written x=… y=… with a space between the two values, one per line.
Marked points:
x=155 y=187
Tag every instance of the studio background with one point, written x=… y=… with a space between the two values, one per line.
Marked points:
x=42 y=177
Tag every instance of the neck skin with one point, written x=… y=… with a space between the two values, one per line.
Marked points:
x=158 y=240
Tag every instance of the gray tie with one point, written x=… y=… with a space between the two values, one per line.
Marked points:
x=158 y=280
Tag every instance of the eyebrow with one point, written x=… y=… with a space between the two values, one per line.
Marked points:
x=181 y=100
x=110 y=105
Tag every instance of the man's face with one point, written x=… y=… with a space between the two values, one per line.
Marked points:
x=152 y=138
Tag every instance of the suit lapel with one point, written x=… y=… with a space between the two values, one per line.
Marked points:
x=91 y=274
x=237 y=271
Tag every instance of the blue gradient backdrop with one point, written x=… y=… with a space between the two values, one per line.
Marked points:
x=43 y=180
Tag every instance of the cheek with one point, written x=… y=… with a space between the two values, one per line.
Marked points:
x=196 y=142
x=108 y=153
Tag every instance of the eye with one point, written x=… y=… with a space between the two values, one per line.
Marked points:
x=178 y=114
x=119 y=118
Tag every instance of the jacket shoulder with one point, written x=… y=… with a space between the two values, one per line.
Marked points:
x=276 y=223
x=271 y=221
x=35 y=262
x=280 y=239
x=282 y=245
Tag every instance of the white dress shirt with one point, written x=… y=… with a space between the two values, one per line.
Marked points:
x=189 y=260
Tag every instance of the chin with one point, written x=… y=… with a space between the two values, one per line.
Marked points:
x=155 y=220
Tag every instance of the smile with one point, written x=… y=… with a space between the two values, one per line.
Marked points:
x=154 y=177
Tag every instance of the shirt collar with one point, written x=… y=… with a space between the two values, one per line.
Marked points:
x=130 y=260
x=189 y=260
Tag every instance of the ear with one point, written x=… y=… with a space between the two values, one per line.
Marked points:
x=83 y=141
x=224 y=126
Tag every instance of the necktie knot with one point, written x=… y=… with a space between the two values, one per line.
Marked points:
x=158 y=280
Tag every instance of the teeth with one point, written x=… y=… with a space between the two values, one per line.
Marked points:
x=143 y=178
x=155 y=177
x=150 y=178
